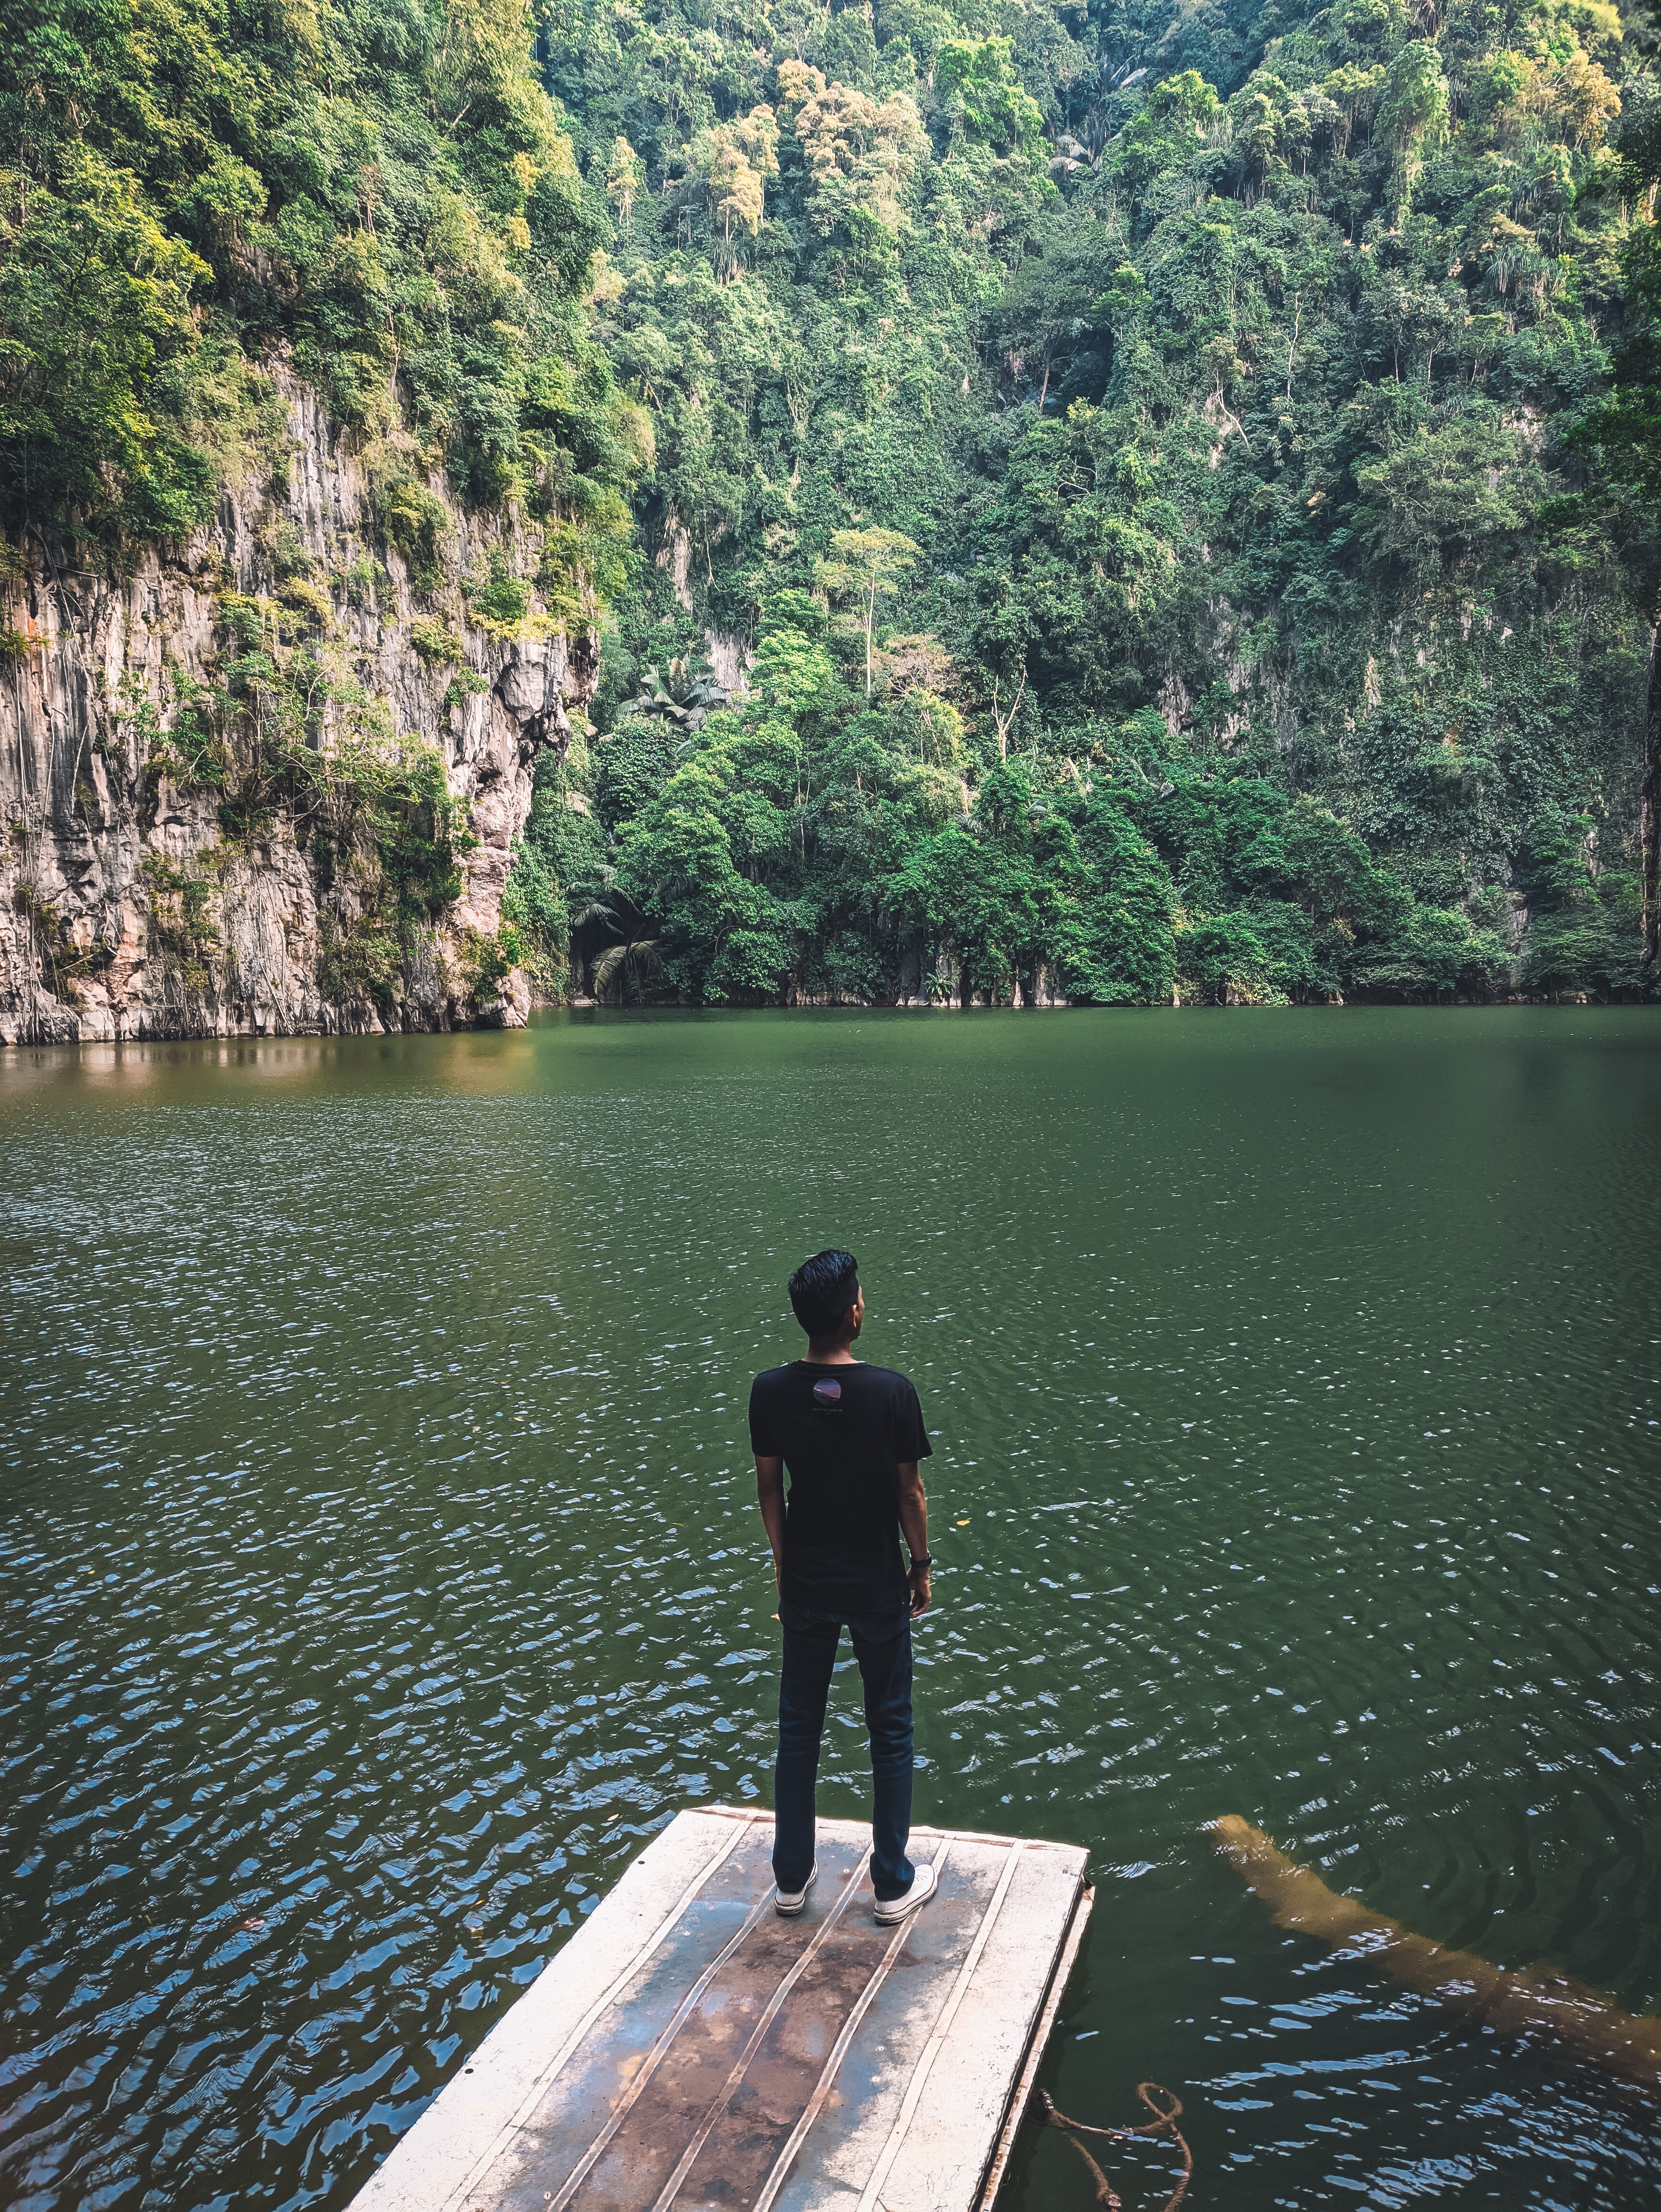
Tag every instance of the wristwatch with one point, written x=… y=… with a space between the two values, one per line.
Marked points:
x=926 y=1562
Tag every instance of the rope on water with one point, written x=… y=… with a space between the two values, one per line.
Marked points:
x=1163 y=2122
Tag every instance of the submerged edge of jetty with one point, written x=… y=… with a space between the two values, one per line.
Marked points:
x=688 y=2047
x=1523 y=2001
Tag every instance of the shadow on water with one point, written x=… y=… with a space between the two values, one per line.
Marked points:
x=379 y=1565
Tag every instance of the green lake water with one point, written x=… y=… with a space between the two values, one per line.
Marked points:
x=380 y=1566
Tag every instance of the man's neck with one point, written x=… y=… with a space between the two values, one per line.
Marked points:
x=831 y=1352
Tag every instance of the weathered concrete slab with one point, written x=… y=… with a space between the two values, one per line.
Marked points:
x=690 y=2048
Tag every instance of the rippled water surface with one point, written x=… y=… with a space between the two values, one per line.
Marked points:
x=379 y=1564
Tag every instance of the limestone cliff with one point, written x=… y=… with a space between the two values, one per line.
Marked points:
x=269 y=781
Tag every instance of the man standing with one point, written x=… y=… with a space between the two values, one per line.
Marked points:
x=851 y=1436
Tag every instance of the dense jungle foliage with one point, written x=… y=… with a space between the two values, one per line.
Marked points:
x=1103 y=500
x=1143 y=450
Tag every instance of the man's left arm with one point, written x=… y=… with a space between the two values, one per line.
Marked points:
x=770 y=1496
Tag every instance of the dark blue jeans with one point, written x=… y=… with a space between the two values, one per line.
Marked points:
x=883 y=1648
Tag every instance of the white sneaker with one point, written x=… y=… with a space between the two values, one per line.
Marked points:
x=897 y=1908
x=788 y=1902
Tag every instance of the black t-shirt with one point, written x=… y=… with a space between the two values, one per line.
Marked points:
x=842 y=1432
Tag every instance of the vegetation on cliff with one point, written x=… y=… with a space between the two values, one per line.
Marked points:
x=1209 y=378
x=200 y=201
x=385 y=189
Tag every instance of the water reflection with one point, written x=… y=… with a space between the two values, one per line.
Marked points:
x=474 y=1061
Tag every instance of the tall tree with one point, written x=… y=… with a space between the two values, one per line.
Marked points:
x=869 y=564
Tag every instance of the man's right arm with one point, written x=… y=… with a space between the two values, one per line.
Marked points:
x=914 y=1527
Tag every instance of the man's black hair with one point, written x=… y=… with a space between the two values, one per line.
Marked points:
x=822 y=1290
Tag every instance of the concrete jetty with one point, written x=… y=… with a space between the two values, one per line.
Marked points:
x=690 y=2048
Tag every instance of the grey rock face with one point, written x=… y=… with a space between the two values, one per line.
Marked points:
x=130 y=906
